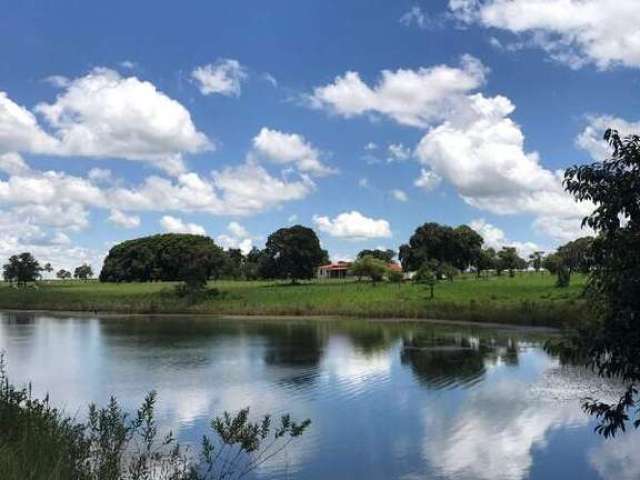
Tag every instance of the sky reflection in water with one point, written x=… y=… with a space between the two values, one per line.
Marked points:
x=386 y=400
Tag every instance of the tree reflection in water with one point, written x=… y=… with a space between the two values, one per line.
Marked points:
x=447 y=361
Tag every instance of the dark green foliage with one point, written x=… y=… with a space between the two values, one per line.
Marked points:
x=536 y=259
x=63 y=274
x=39 y=442
x=395 y=276
x=427 y=275
x=168 y=257
x=564 y=276
x=21 y=269
x=371 y=267
x=612 y=345
x=552 y=263
x=460 y=247
x=487 y=260
x=83 y=272
x=291 y=253
x=384 y=255
x=508 y=259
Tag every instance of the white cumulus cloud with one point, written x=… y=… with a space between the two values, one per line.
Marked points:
x=575 y=32
x=123 y=220
x=290 y=148
x=410 y=97
x=177 y=225
x=224 y=77
x=353 y=225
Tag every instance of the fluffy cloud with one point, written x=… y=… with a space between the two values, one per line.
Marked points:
x=240 y=190
x=591 y=138
x=353 y=225
x=470 y=140
x=481 y=152
x=20 y=131
x=105 y=115
x=56 y=199
x=224 y=77
x=576 y=32
x=177 y=225
x=238 y=237
x=495 y=237
x=410 y=97
x=123 y=220
x=289 y=148
x=20 y=234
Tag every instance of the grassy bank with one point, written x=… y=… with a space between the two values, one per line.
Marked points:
x=527 y=299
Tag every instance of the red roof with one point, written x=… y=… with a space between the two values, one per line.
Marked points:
x=394 y=266
x=336 y=266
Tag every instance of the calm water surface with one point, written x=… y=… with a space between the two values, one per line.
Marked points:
x=387 y=401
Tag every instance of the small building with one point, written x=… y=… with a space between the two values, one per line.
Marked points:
x=334 y=270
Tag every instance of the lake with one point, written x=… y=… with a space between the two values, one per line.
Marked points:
x=387 y=400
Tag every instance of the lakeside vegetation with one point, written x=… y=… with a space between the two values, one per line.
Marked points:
x=528 y=298
x=40 y=442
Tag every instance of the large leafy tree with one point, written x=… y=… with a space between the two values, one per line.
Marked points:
x=83 y=272
x=509 y=259
x=384 y=255
x=460 y=247
x=369 y=266
x=164 y=257
x=612 y=344
x=486 y=261
x=21 y=269
x=292 y=253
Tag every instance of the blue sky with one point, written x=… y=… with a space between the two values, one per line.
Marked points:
x=114 y=116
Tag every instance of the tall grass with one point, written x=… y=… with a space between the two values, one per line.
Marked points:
x=39 y=442
x=527 y=299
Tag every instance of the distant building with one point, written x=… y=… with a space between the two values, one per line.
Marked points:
x=334 y=270
x=342 y=270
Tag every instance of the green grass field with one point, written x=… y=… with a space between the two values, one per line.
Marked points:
x=527 y=299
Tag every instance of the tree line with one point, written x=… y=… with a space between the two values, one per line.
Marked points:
x=24 y=268
x=294 y=253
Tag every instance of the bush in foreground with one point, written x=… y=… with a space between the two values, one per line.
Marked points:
x=37 y=441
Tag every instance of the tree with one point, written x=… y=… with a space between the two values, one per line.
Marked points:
x=292 y=253
x=83 y=272
x=198 y=265
x=508 y=259
x=159 y=258
x=47 y=267
x=461 y=246
x=468 y=247
x=63 y=274
x=21 y=269
x=576 y=255
x=251 y=265
x=536 y=260
x=611 y=344
x=448 y=271
x=486 y=261
x=426 y=275
x=369 y=266
x=384 y=255
x=551 y=262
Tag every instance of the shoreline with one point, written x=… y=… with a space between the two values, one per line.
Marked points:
x=289 y=318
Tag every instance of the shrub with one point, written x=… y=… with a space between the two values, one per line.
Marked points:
x=39 y=442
